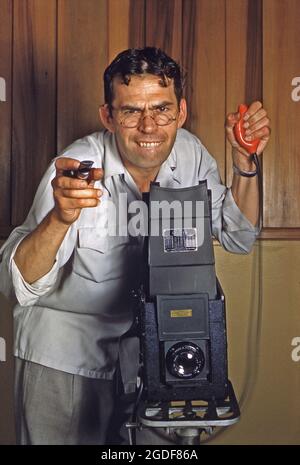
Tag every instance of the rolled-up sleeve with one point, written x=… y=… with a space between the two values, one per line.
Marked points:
x=12 y=283
x=28 y=294
x=237 y=234
x=229 y=225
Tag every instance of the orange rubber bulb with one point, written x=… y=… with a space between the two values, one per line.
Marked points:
x=239 y=132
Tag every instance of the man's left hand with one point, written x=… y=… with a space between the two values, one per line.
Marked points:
x=256 y=124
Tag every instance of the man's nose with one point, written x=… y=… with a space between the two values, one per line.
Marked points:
x=147 y=123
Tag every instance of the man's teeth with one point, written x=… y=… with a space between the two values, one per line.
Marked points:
x=149 y=144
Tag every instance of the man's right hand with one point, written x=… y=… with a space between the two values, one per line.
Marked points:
x=37 y=252
x=72 y=194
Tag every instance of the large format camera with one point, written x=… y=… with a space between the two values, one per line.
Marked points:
x=182 y=307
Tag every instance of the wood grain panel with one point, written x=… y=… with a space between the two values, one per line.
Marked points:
x=137 y=18
x=34 y=96
x=282 y=158
x=243 y=58
x=82 y=58
x=118 y=27
x=290 y=234
x=5 y=231
x=5 y=110
x=204 y=61
x=164 y=26
x=53 y=54
x=126 y=25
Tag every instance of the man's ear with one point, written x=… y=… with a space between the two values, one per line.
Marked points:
x=182 y=113
x=106 y=118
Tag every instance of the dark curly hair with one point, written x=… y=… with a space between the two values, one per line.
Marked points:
x=137 y=61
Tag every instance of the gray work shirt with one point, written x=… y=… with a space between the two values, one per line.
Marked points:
x=73 y=319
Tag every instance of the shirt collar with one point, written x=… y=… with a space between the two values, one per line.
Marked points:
x=112 y=161
x=169 y=169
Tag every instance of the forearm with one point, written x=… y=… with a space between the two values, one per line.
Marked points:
x=36 y=254
x=246 y=195
x=245 y=190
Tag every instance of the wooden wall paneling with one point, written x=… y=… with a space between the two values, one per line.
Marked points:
x=243 y=58
x=126 y=25
x=82 y=58
x=164 y=26
x=137 y=23
x=34 y=97
x=118 y=27
x=290 y=234
x=5 y=113
x=204 y=61
x=281 y=60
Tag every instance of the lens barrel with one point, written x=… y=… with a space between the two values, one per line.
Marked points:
x=185 y=360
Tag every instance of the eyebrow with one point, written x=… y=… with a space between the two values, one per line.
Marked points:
x=165 y=103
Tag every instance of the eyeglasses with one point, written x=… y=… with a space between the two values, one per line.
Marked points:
x=132 y=118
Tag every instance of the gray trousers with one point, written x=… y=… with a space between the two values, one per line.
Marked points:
x=54 y=407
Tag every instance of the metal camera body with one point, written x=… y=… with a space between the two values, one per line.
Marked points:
x=182 y=308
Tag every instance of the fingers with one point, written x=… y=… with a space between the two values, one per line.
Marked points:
x=64 y=163
x=256 y=124
x=67 y=164
x=73 y=193
x=262 y=132
x=69 y=203
x=264 y=139
x=81 y=193
x=252 y=110
x=64 y=182
x=250 y=128
x=75 y=198
x=231 y=120
x=96 y=174
x=255 y=119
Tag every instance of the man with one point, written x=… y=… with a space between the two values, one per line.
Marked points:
x=72 y=283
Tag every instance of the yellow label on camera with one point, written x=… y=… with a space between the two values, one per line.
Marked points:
x=184 y=313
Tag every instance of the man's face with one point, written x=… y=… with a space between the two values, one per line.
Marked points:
x=148 y=145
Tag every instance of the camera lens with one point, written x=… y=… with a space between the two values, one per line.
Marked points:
x=185 y=360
